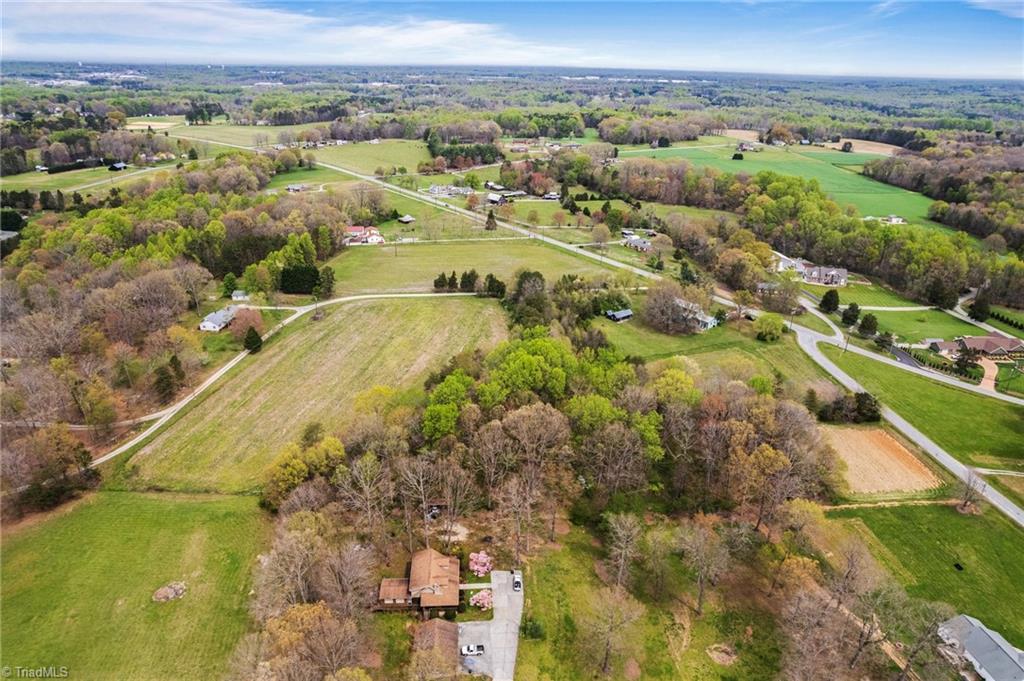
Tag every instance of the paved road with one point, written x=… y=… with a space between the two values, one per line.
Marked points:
x=499 y=635
x=807 y=339
x=809 y=342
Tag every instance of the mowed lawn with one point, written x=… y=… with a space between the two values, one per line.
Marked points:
x=78 y=586
x=73 y=179
x=240 y=135
x=413 y=267
x=312 y=178
x=914 y=327
x=978 y=430
x=922 y=544
x=226 y=441
x=862 y=294
x=365 y=158
x=845 y=186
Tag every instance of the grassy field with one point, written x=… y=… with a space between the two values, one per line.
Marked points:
x=74 y=179
x=363 y=269
x=242 y=135
x=311 y=178
x=861 y=294
x=846 y=187
x=922 y=544
x=561 y=584
x=366 y=158
x=78 y=586
x=547 y=209
x=226 y=441
x=714 y=347
x=1002 y=326
x=913 y=327
x=1011 y=378
x=978 y=430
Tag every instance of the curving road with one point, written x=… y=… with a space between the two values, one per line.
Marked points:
x=806 y=338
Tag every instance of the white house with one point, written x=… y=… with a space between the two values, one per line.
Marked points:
x=784 y=263
x=238 y=295
x=703 y=320
x=216 y=321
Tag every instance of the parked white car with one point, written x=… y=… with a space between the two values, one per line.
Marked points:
x=472 y=650
x=517 y=581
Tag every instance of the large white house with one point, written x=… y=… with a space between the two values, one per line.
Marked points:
x=216 y=321
x=991 y=655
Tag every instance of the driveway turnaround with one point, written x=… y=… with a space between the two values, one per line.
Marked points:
x=499 y=635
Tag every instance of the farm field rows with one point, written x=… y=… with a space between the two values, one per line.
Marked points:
x=413 y=267
x=78 y=585
x=977 y=430
x=225 y=442
x=878 y=464
x=922 y=544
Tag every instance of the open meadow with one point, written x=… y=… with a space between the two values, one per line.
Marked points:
x=862 y=294
x=722 y=346
x=225 y=441
x=844 y=185
x=921 y=545
x=915 y=326
x=977 y=430
x=78 y=585
x=365 y=158
x=413 y=267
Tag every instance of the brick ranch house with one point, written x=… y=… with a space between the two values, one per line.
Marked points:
x=433 y=582
x=987 y=346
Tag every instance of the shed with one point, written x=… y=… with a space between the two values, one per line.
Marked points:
x=120 y=165
x=239 y=295
x=406 y=219
x=619 y=315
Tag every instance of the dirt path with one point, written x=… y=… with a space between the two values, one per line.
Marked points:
x=888 y=504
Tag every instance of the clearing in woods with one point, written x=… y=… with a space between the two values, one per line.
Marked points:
x=877 y=463
x=226 y=441
x=78 y=586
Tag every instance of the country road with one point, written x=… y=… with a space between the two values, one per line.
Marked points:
x=807 y=339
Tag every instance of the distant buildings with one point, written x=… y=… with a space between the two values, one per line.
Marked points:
x=811 y=273
x=357 y=234
x=449 y=190
x=991 y=655
x=887 y=220
x=496 y=199
x=295 y=188
x=407 y=219
x=216 y=321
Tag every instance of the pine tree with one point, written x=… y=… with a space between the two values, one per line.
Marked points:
x=163 y=383
x=491 y=224
x=441 y=282
x=453 y=281
x=229 y=285
x=253 y=343
x=175 y=365
x=830 y=301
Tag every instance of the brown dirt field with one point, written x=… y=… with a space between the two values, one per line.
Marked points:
x=866 y=146
x=745 y=135
x=876 y=462
x=156 y=125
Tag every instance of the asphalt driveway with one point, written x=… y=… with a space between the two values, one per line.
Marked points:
x=499 y=635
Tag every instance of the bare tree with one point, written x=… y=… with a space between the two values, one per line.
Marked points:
x=417 y=482
x=491 y=457
x=365 y=487
x=705 y=553
x=921 y=619
x=624 y=533
x=286 y=576
x=514 y=503
x=344 y=580
x=193 y=278
x=659 y=544
x=616 y=458
x=970 y=490
x=612 y=612
x=458 y=493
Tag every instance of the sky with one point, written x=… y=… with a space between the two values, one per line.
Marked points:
x=934 y=38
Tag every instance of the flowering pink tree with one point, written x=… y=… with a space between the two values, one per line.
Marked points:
x=482 y=599
x=480 y=563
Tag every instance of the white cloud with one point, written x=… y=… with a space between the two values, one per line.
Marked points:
x=1010 y=8
x=230 y=32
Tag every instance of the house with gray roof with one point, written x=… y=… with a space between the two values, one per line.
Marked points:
x=991 y=655
x=216 y=321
